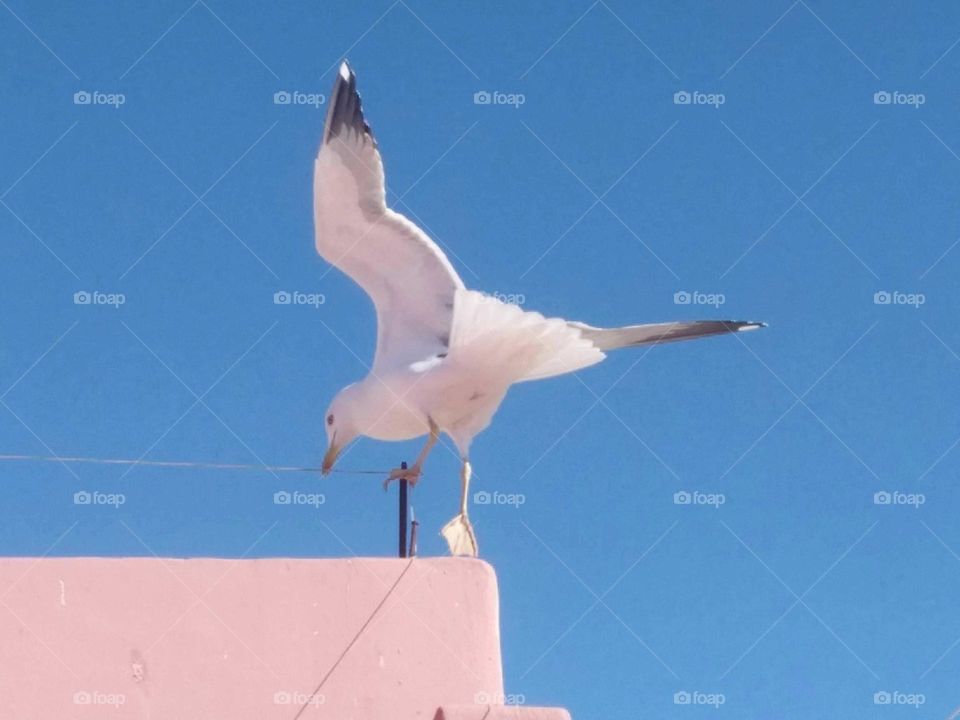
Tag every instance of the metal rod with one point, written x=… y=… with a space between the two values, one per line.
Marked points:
x=403 y=514
x=413 y=537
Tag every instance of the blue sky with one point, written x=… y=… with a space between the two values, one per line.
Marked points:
x=787 y=190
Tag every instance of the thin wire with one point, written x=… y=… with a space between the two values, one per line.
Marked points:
x=182 y=464
x=323 y=681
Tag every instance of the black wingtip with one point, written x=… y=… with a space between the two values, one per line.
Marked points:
x=345 y=111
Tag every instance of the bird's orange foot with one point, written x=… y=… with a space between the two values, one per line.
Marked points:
x=410 y=474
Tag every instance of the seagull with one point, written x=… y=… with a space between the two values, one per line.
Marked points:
x=446 y=356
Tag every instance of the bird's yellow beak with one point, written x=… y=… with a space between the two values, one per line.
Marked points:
x=330 y=458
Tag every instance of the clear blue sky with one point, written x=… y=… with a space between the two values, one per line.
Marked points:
x=797 y=199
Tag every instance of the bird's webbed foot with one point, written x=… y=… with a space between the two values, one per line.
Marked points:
x=410 y=474
x=460 y=536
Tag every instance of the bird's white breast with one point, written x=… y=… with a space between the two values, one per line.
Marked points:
x=391 y=407
x=402 y=402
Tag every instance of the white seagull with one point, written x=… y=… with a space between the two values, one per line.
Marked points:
x=445 y=355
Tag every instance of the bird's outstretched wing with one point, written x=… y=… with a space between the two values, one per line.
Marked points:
x=409 y=279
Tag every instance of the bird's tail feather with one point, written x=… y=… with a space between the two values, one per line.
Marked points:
x=516 y=344
x=654 y=334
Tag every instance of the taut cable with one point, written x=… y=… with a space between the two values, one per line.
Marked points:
x=181 y=464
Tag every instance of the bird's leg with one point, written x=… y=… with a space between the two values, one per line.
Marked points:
x=459 y=532
x=412 y=474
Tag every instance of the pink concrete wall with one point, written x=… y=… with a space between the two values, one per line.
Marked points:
x=251 y=639
x=501 y=712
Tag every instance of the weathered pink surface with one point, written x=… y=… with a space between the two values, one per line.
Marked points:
x=500 y=712
x=233 y=639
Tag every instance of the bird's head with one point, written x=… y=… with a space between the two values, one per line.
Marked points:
x=341 y=425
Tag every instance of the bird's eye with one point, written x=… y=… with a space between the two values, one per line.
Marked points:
x=330 y=419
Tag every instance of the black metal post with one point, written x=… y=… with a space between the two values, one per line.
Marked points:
x=403 y=514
